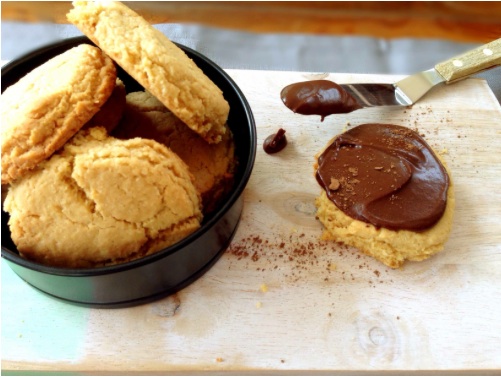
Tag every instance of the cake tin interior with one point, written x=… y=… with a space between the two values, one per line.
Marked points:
x=222 y=221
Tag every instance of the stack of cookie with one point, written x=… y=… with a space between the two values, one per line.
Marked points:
x=97 y=176
x=212 y=165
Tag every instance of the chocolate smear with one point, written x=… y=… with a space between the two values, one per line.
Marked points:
x=388 y=176
x=318 y=97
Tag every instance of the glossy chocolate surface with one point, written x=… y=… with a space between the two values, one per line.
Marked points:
x=275 y=142
x=385 y=175
x=318 y=97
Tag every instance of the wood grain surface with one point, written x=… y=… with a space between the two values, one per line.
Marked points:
x=473 y=61
x=463 y=21
x=280 y=300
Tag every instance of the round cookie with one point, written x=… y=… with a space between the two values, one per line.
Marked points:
x=211 y=164
x=50 y=104
x=156 y=63
x=102 y=201
x=389 y=194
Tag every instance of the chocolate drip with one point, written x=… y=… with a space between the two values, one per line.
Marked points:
x=385 y=175
x=275 y=142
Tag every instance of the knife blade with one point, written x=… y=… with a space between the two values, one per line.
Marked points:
x=409 y=90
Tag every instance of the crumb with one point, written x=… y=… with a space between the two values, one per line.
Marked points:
x=334 y=185
x=219 y=359
x=263 y=288
x=259 y=304
x=332 y=267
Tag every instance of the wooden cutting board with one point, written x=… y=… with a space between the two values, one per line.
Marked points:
x=281 y=300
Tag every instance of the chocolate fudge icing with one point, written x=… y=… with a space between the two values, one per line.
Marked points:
x=318 y=97
x=385 y=175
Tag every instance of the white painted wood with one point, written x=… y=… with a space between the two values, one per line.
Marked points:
x=301 y=305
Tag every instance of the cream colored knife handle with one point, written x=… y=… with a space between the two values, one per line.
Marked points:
x=471 y=62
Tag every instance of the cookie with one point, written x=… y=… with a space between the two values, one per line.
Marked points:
x=385 y=192
x=212 y=165
x=390 y=247
x=102 y=201
x=156 y=63
x=50 y=104
x=110 y=113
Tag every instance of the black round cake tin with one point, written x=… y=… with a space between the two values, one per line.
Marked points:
x=173 y=268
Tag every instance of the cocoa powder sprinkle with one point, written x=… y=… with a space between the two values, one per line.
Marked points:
x=300 y=258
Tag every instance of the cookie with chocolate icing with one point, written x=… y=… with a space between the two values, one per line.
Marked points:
x=385 y=192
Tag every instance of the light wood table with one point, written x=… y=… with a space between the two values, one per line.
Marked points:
x=294 y=304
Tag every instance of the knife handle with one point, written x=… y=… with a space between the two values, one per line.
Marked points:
x=471 y=62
